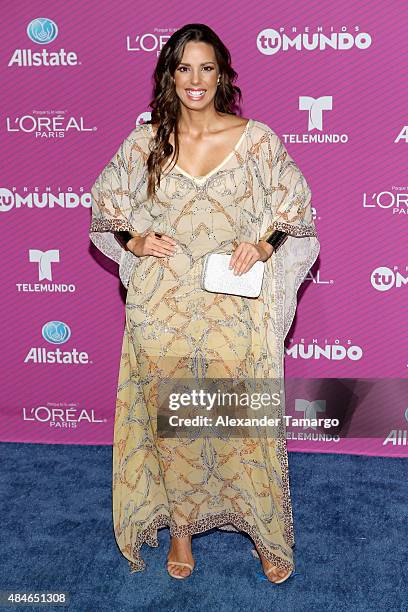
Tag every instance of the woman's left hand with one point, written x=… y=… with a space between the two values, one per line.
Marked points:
x=247 y=253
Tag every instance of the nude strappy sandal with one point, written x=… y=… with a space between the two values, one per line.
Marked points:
x=181 y=564
x=191 y=567
x=288 y=575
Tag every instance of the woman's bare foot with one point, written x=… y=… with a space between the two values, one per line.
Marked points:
x=271 y=571
x=180 y=550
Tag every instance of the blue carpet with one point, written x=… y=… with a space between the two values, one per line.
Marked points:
x=350 y=530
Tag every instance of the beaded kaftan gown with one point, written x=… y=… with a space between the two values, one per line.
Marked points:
x=176 y=329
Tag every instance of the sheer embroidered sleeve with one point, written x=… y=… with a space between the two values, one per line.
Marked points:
x=286 y=198
x=119 y=204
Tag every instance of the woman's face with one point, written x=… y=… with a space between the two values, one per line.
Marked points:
x=197 y=71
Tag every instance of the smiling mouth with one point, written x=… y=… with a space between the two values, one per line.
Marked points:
x=195 y=94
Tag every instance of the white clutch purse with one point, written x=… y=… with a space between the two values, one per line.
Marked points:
x=218 y=278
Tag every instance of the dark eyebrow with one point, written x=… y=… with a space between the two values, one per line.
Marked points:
x=203 y=63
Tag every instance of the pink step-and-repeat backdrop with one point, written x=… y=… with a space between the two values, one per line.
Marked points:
x=328 y=78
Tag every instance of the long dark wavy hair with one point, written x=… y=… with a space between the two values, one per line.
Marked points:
x=166 y=104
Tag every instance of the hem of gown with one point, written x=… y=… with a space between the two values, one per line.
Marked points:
x=149 y=535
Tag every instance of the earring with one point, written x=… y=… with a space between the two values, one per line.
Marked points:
x=218 y=81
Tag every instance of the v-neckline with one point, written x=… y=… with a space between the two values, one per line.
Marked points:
x=203 y=178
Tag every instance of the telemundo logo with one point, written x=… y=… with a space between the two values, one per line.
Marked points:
x=42 y=30
x=56 y=332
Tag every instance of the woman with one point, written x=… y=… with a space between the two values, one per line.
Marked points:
x=232 y=185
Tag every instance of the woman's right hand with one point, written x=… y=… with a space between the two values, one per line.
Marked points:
x=152 y=245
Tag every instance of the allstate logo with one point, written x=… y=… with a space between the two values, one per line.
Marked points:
x=42 y=30
x=56 y=332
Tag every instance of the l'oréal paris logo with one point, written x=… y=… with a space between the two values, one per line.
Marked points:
x=47 y=124
x=149 y=42
x=395 y=199
x=61 y=415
